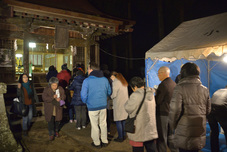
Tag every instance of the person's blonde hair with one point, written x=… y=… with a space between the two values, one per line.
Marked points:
x=120 y=77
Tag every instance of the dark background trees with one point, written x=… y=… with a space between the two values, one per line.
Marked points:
x=154 y=20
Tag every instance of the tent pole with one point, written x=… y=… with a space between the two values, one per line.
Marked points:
x=150 y=70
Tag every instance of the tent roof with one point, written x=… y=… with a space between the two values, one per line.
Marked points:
x=194 y=38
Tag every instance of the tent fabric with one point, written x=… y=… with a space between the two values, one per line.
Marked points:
x=218 y=76
x=192 y=39
x=217 y=72
x=152 y=73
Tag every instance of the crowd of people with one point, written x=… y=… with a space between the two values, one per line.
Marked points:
x=173 y=116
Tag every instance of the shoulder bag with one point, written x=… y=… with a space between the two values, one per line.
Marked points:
x=129 y=122
x=19 y=108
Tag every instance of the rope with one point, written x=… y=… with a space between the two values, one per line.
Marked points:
x=120 y=57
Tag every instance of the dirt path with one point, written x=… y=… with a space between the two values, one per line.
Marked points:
x=38 y=141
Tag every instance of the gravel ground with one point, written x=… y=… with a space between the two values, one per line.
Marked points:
x=38 y=140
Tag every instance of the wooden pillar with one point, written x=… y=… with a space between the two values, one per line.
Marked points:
x=43 y=60
x=26 y=53
x=85 y=58
x=86 y=55
x=97 y=54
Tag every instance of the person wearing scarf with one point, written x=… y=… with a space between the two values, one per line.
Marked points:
x=27 y=95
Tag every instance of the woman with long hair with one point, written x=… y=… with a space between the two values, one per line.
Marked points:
x=27 y=95
x=119 y=96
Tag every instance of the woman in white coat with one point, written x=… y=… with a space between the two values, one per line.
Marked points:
x=145 y=123
x=119 y=96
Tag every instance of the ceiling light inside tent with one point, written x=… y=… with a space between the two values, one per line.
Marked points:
x=225 y=59
x=47 y=46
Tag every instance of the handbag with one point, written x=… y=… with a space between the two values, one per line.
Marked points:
x=19 y=108
x=62 y=102
x=129 y=122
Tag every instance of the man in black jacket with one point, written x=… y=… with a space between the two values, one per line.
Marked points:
x=162 y=98
x=218 y=115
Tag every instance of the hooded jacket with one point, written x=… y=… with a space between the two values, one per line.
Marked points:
x=189 y=106
x=95 y=90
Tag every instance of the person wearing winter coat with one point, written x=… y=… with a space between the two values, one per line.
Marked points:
x=145 y=123
x=189 y=107
x=80 y=107
x=27 y=95
x=52 y=73
x=51 y=96
x=95 y=90
x=218 y=115
x=119 y=96
x=64 y=76
x=163 y=96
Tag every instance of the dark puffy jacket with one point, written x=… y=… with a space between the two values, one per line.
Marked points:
x=76 y=86
x=189 y=106
x=51 y=74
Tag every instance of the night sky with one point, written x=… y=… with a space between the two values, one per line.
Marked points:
x=146 y=30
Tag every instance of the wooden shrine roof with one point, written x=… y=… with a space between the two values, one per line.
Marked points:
x=72 y=12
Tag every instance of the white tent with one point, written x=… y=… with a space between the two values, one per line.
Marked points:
x=204 y=38
x=194 y=38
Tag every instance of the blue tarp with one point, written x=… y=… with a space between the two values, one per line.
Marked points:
x=222 y=145
x=217 y=72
